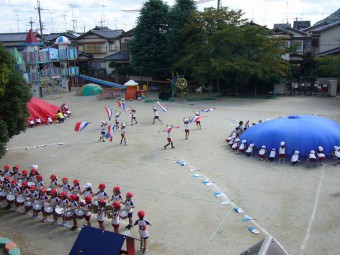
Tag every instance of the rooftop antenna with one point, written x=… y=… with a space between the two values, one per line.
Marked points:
x=103 y=6
x=74 y=22
x=64 y=15
x=31 y=23
x=16 y=14
x=40 y=23
x=101 y=22
x=287 y=13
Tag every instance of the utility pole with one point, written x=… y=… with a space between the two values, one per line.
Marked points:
x=218 y=4
x=40 y=23
x=31 y=23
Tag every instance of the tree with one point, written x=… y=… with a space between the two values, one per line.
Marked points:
x=178 y=16
x=328 y=66
x=222 y=45
x=14 y=95
x=148 y=47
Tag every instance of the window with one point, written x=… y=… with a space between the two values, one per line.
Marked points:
x=95 y=48
x=112 y=46
x=299 y=47
x=80 y=47
x=95 y=65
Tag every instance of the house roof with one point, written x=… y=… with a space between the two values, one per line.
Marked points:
x=104 y=32
x=118 y=56
x=31 y=38
x=324 y=27
x=290 y=31
x=13 y=37
x=329 y=52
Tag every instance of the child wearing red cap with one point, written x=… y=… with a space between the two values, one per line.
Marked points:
x=116 y=195
x=129 y=206
x=54 y=201
x=198 y=122
x=7 y=172
x=65 y=187
x=115 y=216
x=64 y=203
x=33 y=175
x=24 y=176
x=54 y=181
x=33 y=196
x=143 y=232
x=40 y=182
x=16 y=175
x=87 y=207
x=15 y=190
x=101 y=213
x=74 y=205
x=169 y=137
x=101 y=192
x=42 y=199
x=76 y=189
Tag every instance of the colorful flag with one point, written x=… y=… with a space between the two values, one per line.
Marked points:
x=196 y=118
x=109 y=112
x=208 y=110
x=164 y=109
x=80 y=126
x=168 y=129
x=110 y=130
x=122 y=104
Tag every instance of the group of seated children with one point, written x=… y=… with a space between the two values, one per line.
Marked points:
x=313 y=157
x=61 y=115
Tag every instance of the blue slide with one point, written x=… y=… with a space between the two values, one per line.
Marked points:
x=101 y=82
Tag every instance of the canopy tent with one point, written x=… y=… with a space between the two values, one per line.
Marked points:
x=131 y=90
x=42 y=109
x=90 y=89
x=302 y=133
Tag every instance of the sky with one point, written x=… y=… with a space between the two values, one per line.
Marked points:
x=83 y=15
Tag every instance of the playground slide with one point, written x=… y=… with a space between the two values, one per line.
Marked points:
x=101 y=82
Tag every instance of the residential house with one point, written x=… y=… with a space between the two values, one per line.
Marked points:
x=14 y=40
x=94 y=46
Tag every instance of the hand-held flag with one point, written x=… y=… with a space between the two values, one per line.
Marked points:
x=80 y=126
x=196 y=118
x=208 y=110
x=122 y=104
x=109 y=112
x=164 y=109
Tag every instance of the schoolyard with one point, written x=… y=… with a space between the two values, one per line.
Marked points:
x=188 y=193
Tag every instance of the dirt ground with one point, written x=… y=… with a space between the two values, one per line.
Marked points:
x=298 y=206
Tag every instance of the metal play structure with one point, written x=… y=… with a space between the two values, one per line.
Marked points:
x=178 y=82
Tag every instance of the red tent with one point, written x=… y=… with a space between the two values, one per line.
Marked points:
x=40 y=108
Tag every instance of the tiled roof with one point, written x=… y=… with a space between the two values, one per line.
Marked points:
x=108 y=34
x=118 y=56
x=329 y=52
x=13 y=37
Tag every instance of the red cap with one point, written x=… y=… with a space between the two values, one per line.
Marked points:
x=141 y=214
x=34 y=170
x=76 y=181
x=129 y=194
x=39 y=177
x=24 y=171
x=24 y=184
x=65 y=179
x=54 y=191
x=33 y=188
x=6 y=167
x=72 y=197
x=16 y=166
x=116 y=204
x=14 y=182
x=101 y=186
x=102 y=201
x=43 y=189
x=7 y=178
x=88 y=198
x=53 y=176
x=116 y=188
x=63 y=194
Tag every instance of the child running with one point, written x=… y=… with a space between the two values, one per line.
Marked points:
x=169 y=138
x=186 y=127
x=156 y=115
x=133 y=116
x=198 y=122
x=117 y=114
x=122 y=133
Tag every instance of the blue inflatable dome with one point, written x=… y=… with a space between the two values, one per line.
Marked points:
x=302 y=133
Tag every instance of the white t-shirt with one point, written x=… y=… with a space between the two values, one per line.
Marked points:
x=295 y=158
x=272 y=154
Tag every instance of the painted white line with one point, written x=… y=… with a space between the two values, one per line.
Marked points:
x=314 y=211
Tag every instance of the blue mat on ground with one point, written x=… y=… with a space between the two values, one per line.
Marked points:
x=93 y=241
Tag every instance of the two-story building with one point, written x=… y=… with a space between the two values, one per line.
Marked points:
x=94 y=46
